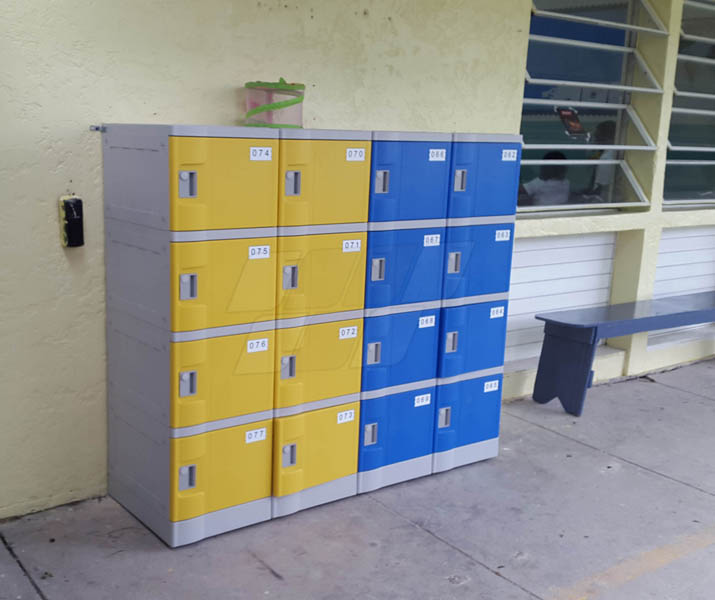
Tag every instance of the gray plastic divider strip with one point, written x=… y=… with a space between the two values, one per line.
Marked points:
x=218 y=521
x=212 y=332
x=374 y=479
x=464 y=455
x=413 y=224
x=296 y=230
x=471 y=375
x=325 y=134
x=316 y=405
x=222 y=234
x=317 y=319
x=411 y=136
x=402 y=308
x=314 y=496
x=398 y=389
x=259 y=133
x=181 y=432
x=488 y=137
x=451 y=302
x=498 y=220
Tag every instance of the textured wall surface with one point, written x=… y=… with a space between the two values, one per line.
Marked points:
x=376 y=64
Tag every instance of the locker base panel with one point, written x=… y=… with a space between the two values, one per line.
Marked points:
x=464 y=455
x=367 y=481
x=220 y=521
x=180 y=533
x=314 y=496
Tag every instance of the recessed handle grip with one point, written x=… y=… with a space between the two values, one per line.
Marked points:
x=292 y=183
x=382 y=181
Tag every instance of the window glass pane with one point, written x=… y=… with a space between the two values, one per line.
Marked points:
x=692 y=130
x=558 y=62
x=699 y=19
x=569 y=185
x=691 y=182
x=698 y=77
x=612 y=11
x=568 y=125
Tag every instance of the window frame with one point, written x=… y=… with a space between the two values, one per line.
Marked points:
x=661 y=29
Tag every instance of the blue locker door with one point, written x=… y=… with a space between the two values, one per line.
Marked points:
x=467 y=412
x=472 y=338
x=396 y=428
x=478 y=260
x=400 y=348
x=404 y=266
x=409 y=178
x=484 y=179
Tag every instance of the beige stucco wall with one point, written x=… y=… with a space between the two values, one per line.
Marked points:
x=377 y=64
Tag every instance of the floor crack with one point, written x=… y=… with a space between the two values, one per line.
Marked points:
x=15 y=557
x=607 y=453
x=455 y=548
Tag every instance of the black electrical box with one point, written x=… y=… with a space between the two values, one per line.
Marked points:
x=71 y=221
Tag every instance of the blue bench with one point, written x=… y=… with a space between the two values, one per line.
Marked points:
x=571 y=336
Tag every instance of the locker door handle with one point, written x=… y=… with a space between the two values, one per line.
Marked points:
x=187 y=383
x=377 y=272
x=289 y=455
x=451 y=345
x=288 y=367
x=444 y=418
x=187 y=184
x=382 y=181
x=370 y=438
x=188 y=286
x=187 y=477
x=374 y=353
x=292 y=183
x=290 y=277
x=460 y=180
x=454 y=262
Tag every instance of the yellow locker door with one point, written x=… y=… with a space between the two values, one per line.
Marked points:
x=315 y=447
x=320 y=274
x=323 y=181
x=317 y=362
x=222 y=183
x=220 y=469
x=223 y=282
x=221 y=377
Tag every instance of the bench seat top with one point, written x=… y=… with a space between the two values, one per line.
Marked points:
x=634 y=317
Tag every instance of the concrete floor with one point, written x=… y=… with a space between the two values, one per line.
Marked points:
x=616 y=505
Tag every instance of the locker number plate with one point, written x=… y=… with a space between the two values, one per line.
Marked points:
x=428 y=321
x=260 y=252
x=437 y=154
x=355 y=154
x=348 y=332
x=503 y=235
x=256 y=435
x=261 y=153
x=508 y=155
x=352 y=245
x=491 y=386
x=346 y=416
x=497 y=312
x=423 y=400
x=432 y=240
x=257 y=345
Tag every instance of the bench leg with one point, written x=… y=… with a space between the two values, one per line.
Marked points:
x=564 y=371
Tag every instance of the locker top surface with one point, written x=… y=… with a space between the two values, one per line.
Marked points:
x=410 y=136
x=495 y=138
x=217 y=131
x=325 y=134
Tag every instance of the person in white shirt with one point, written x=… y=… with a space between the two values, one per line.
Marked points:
x=551 y=186
x=603 y=175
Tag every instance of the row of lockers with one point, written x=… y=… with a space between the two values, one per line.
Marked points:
x=220 y=283
x=205 y=383
x=218 y=178
x=241 y=475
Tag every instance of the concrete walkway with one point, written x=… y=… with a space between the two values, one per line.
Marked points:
x=616 y=505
